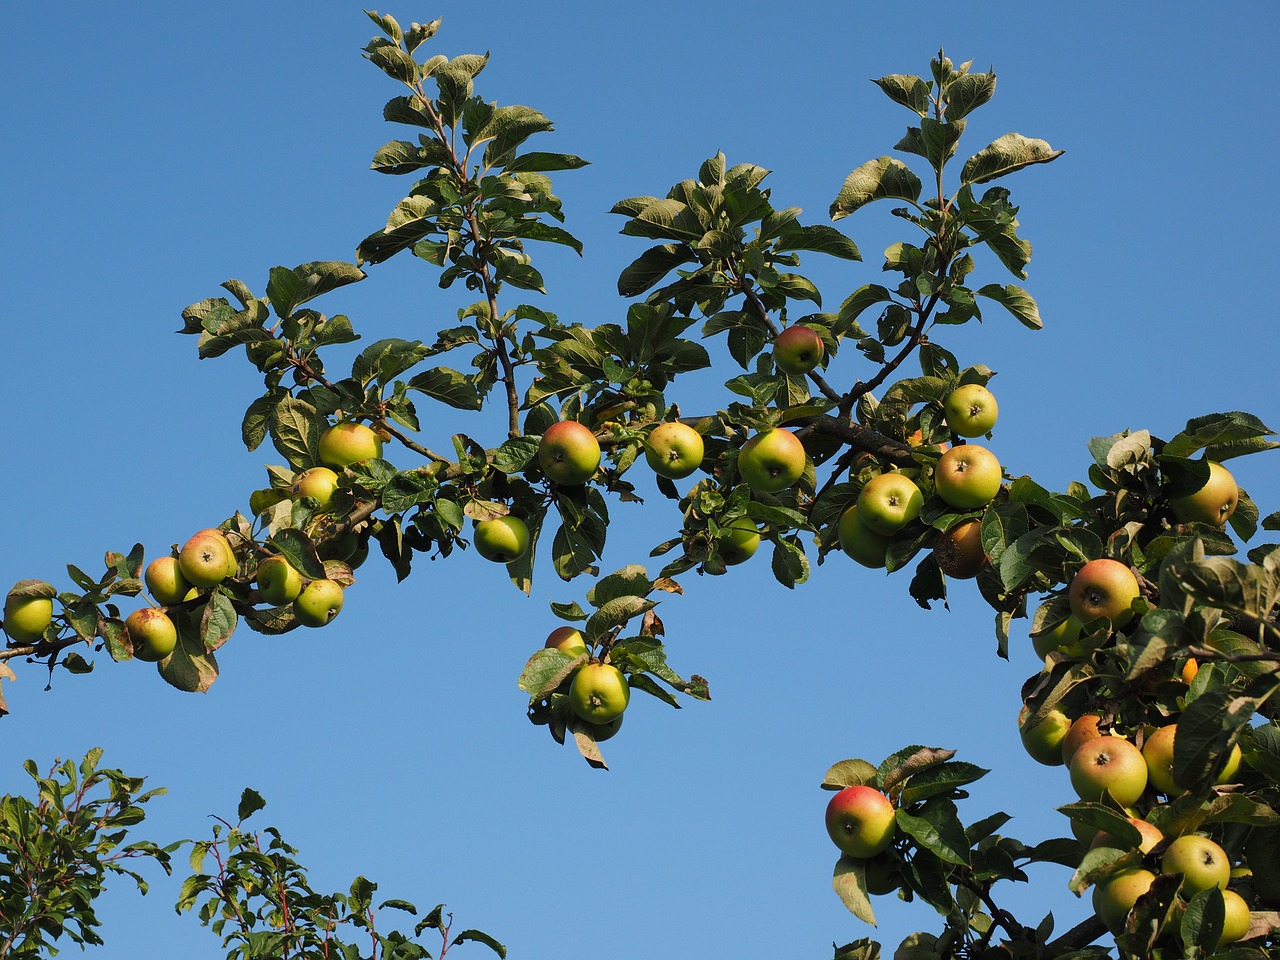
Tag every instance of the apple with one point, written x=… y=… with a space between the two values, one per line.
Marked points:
x=674 y=450
x=878 y=874
x=888 y=503
x=346 y=443
x=27 y=618
x=772 y=460
x=600 y=732
x=1062 y=639
x=1189 y=670
x=502 y=539
x=738 y=541
x=1111 y=765
x=1157 y=750
x=152 y=633
x=569 y=453
x=958 y=552
x=1202 y=863
x=1043 y=742
x=567 y=639
x=318 y=603
x=1104 y=588
x=970 y=410
x=164 y=579
x=861 y=821
x=864 y=545
x=599 y=693
x=1237 y=921
x=1214 y=503
x=207 y=559
x=318 y=483
x=1083 y=729
x=967 y=476
x=1151 y=836
x=278 y=582
x=1114 y=898
x=797 y=350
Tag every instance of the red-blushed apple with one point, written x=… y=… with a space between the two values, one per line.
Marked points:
x=738 y=541
x=278 y=582
x=1157 y=749
x=568 y=640
x=501 y=539
x=1237 y=921
x=1202 y=863
x=967 y=476
x=970 y=410
x=888 y=503
x=674 y=450
x=1115 y=897
x=1214 y=503
x=861 y=821
x=1109 y=765
x=318 y=603
x=1151 y=836
x=152 y=633
x=866 y=546
x=207 y=559
x=797 y=350
x=958 y=552
x=27 y=618
x=1043 y=742
x=569 y=453
x=164 y=579
x=1083 y=728
x=1104 y=588
x=318 y=483
x=772 y=460
x=598 y=693
x=346 y=443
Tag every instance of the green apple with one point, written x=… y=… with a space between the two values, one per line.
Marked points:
x=970 y=410
x=958 y=552
x=346 y=443
x=772 y=460
x=862 y=544
x=600 y=732
x=1043 y=742
x=502 y=539
x=1157 y=750
x=1061 y=639
x=318 y=603
x=164 y=579
x=1237 y=921
x=27 y=618
x=1151 y=836
x=967 y=476
x=1214 y=503
x=797 y=350
x=888 y=503
x=207 y=559
x=152 y=633
x=1104 y=588
x=738 y=541
x=599 y=693
x=1083 y=728
x=569 y=453
x=861 y=821
x=674 y=450
x=568 y=640
x=278 y=582
x=1202 y=863
x=318 y=483
x=1114 y=898
x=1109 y=765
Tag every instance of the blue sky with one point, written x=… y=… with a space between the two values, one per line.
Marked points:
x=152 y=151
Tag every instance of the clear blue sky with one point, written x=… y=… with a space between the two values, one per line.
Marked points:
x=153 y=150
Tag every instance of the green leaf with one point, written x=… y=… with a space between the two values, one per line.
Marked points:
x=515 y=454
x=250 y=803
x=938 y=829
x=630 y=581
x=448 y=386
x=218 y=621
x=296 y=547
x=850 y=885
x=649 y=269
x=1216 y=430
x=819 y=238
x=940 y=780
x=849 y=773
x=910 y=91
x=188 y=667
x=879 y=179
x=1016 y=300
x=535 y=162
x=1004 y=155
x=613 y=614
x=295 y=432
x=967 y=93
x=479 y=937
x=1202 y=920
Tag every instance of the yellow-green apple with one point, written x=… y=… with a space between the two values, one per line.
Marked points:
x=958 y=552
x=970 y=410
x=797 y=350
x=1202 y=863
x=318 y=603
x=568 y=640
x=674 y=449
x=1109 y=765
x=888 y=503
x=278 y=582
x=967 y=476
x=346 y=443
x=738 y=541
x=318 y=483
x=152 y=633
x=207 y=559
x=1062 y=639
x=1114 y=898
x=599 y=693
x=878 y=874
x=1043 y=742
x=27 y=618
x=600 y=732
x=164 y=579
x=864 y=545
x=772 y=460
x=1150 y=836
x=1214 y=503
x=1083 y=729
x=1237 y=921
x=1104 y=588
x=501 y=539
x=569 y=453
x=861 y=821
x=1157 y=750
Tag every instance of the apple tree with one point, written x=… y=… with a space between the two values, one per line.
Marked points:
x=1148 y=619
